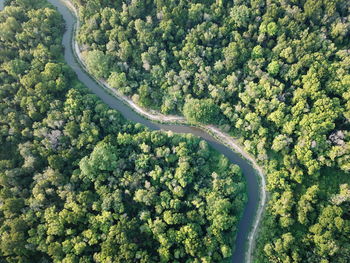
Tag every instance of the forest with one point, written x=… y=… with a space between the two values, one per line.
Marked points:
x=79 y=183
x=273 y=73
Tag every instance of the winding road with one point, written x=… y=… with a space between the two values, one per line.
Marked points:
x=223 y=143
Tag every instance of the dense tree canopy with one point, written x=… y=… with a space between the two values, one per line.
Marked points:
x=78 y=183
x=274 y=73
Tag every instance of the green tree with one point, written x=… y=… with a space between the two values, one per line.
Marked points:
x=273 y=68
x=199 y=110
x=98 y=63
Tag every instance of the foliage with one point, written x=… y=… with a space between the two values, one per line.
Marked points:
x=204 y=111
x=78 y=183
x=98 y=63
x=278 y=71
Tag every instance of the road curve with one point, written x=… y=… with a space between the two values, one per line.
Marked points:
x=223 y=143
